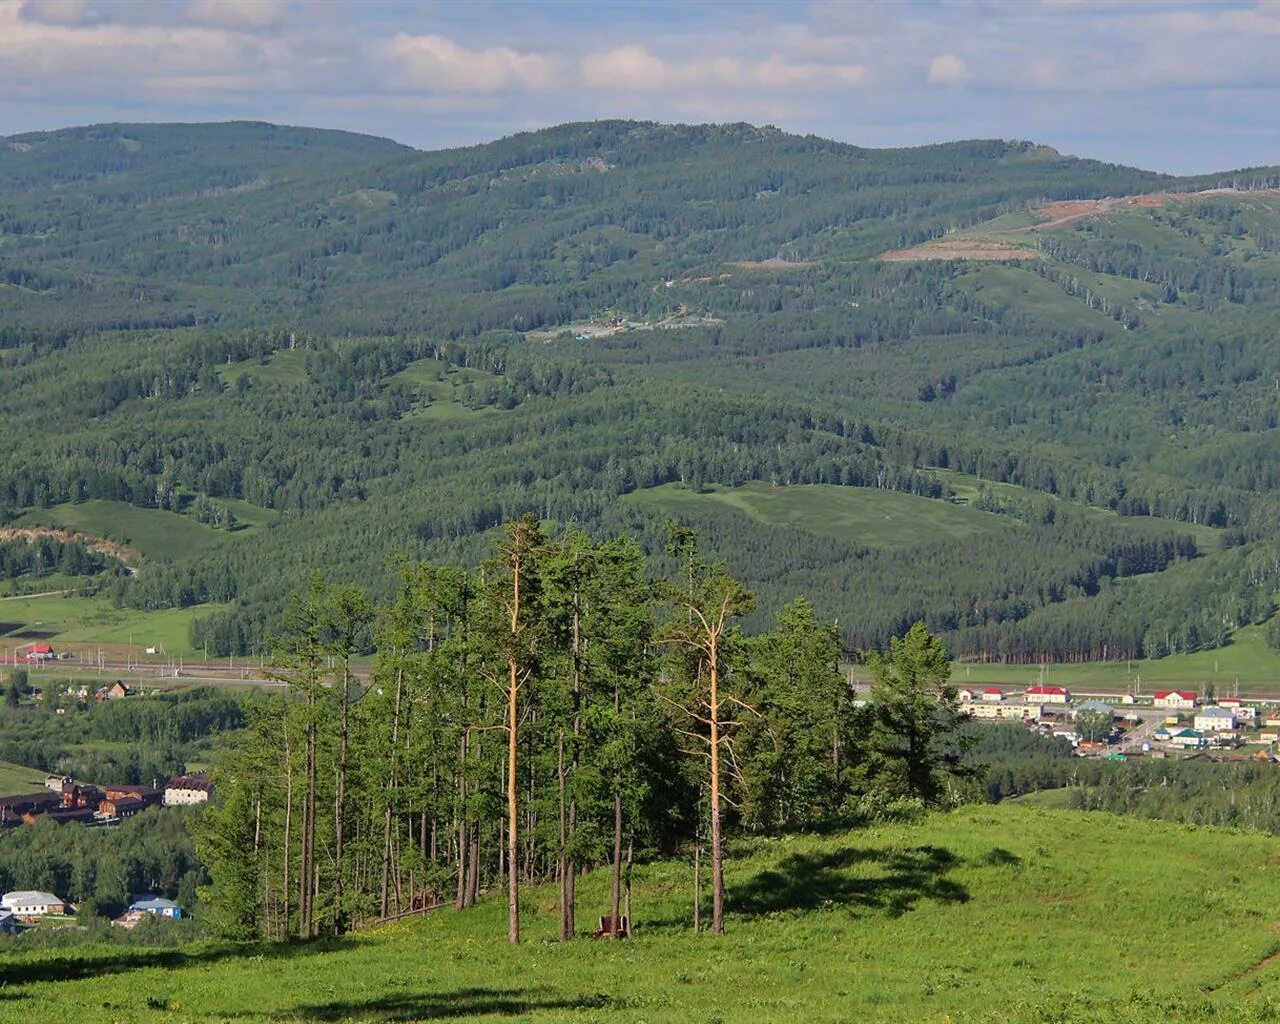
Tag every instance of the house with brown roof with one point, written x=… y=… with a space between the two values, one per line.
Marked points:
x=187 y=789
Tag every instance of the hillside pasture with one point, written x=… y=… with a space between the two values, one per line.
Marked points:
x=1247 y=661
x=1010 y=914
x=88 y=621
x=16 y=778
x=858 y=515
x=152 y=531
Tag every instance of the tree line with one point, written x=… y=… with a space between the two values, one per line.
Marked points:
x=555 y=710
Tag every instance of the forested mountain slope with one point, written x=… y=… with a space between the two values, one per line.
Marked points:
x=381 y=350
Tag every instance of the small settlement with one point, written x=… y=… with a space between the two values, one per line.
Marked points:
x=1166 y=722
x=65 y=800
x=28 y=908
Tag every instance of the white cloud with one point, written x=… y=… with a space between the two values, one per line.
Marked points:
x=634 y=68
x=948 y=69
x=434 y=63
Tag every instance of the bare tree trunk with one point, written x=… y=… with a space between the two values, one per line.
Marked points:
x=306 y=897
x=717 y=849
x=616 y=881
x=513 y=820
x=473 y=880
x=460 y=897
x=392 y=784
x=340 y=805
x=288 y=822
x=570 y=897
x=563 y=869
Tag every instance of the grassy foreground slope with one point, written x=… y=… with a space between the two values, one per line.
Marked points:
x=987 y=914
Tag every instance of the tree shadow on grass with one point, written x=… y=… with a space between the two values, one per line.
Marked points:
x=68 y=966
x=461 y=1004
x=898 y=880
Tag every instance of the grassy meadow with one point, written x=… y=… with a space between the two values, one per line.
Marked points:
x=15 y=778
x=153 y=532
x=95 y=620
x=1000 y=913
x=1248 y=659
x=859 y=515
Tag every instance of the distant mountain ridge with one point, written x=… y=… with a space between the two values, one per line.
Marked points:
x=190 y=216
x=360 y=350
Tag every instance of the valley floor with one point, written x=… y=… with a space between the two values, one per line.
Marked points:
x=1000 y=913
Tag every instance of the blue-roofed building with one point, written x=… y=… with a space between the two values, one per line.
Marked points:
x=156 y=905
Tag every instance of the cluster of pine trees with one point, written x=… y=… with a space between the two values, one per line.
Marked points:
x=554 y=711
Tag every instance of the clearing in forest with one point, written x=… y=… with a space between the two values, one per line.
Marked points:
x=1002 y=240
x=860 y=515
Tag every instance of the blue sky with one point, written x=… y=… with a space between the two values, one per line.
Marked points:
x=1170 y=86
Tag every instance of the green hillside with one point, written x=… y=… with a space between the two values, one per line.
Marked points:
x=942 y=920
x=15 y=778
x=363 y=352
x=859 y=515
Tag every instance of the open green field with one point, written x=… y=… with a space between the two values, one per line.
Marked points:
x=439 y=389
x=16 y=778
x=285 y=366
x=1248 y=659
x=966 y=488
x=860 y=515
x=152 y=531
x=1007 y=913
x=96 y=620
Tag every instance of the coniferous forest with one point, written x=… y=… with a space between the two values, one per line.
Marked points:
x=555 y=711
x=324 y=352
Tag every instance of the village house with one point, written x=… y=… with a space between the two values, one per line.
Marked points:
x=38 y=652
x=1214 y=719
x=62 y=815
x=1188 y=739
x=120 y=807
x=993 y=695
x=156 y=906
x=31 y=903
x=1180 y=699
x=1000 y=712
x=964 y=696
x=13 y=809
x=187 y=789
x=150 y=797
x=117 y=690
x=1047 y=695
x=80 y=796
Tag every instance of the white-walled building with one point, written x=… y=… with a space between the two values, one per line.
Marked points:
x=1001 y=712
x=31 y=903
x=187 y=789
x=1215 y=719
x=1047 y=695
x=1182 y=700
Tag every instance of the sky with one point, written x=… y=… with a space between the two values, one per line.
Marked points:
x=1181 y=87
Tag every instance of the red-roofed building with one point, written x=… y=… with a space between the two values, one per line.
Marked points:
x=39 y=652
x=1183 y=699
x=1048 y=695
x=993 y=694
